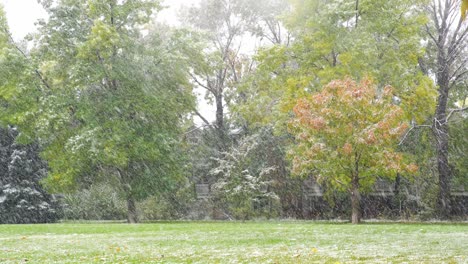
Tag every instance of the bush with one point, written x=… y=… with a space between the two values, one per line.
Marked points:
x=168 y=206
x=99 y=202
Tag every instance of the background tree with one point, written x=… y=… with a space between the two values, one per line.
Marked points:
x=230 y=28
x=346 y=136
x=334 y=39
x=214 y=70
x=22 y=198
x=251 y=177
x=20 y=85
x=448 y=61
x=331 y=40
x=231 y=31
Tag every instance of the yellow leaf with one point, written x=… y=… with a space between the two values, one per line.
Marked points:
x=464 y=9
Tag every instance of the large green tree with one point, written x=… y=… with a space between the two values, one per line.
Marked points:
x=112 y=100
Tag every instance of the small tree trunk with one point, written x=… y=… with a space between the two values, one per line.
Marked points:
x=397 y=184
x=132 y=216
x=220 y=129
x=355 y=201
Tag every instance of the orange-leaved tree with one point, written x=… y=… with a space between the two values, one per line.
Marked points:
x=346 y=136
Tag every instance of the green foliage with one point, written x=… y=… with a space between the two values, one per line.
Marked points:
x=172 y=205
x=458 y=150
x=110 y=102
x=101 y=201
x=98 y=202
x=18 y=89
x=246 y=178
x=333 y=39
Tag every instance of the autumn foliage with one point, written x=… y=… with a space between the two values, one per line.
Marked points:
x=346 y=135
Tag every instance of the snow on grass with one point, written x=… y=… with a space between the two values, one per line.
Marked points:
x=234 y=242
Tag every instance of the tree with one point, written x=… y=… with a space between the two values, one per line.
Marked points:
x=214 y=69
x=251 y=176
x=346 y=136
x=113 y=101
x=448 y=38
x=22 y=198
x=19 y=81
x=230 y=31
x=224 y=62
x=334 y=39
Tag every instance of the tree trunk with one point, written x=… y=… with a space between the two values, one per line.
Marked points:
x=220 y=129
x=219 y=112
x=132 y=216
x=355 y=201
x=397 y=184
x=441 y=133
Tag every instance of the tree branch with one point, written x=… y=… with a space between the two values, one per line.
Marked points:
x=194 y=129
x=198 y=82
x=409 y=131
x=452 y=111
x=202 y=117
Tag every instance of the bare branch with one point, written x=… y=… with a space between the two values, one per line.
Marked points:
x=195 y=129
x=202 y=118
x=428 y=31
x=458 y=77
x=409 y=131
x=198 y=82
x=452 y=111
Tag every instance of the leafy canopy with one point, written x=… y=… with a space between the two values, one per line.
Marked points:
x=348 y=130
x=338 y=38
x=112 y=101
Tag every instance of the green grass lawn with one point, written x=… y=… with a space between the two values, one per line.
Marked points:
x=234 y=242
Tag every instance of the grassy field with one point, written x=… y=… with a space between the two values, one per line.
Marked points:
x=234 y=242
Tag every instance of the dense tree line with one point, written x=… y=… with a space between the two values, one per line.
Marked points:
x=340 y=93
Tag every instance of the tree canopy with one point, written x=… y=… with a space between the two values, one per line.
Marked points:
x=111 y=101
x=346 y=134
